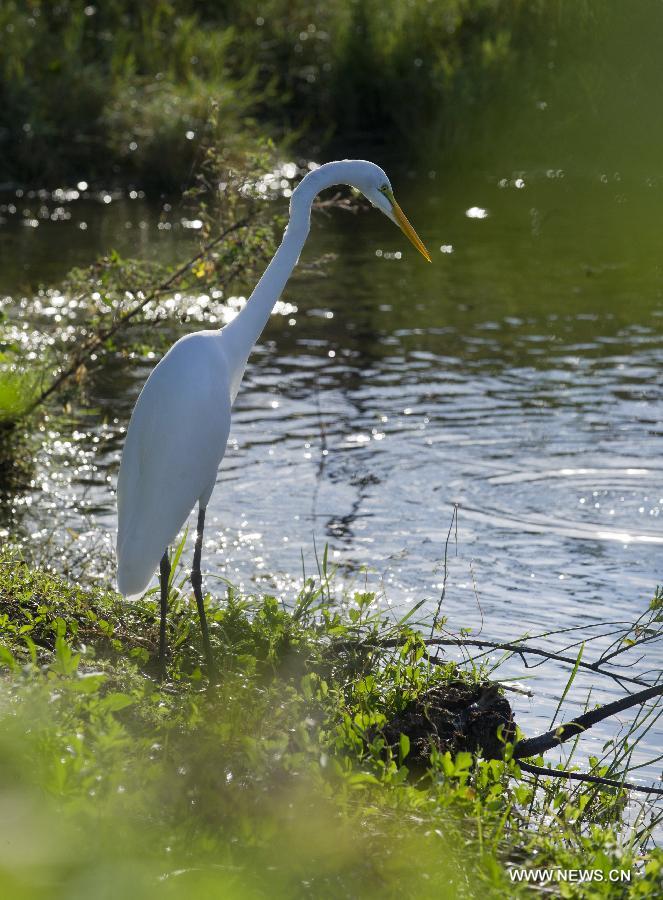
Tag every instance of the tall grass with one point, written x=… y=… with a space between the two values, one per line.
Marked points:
x=116 y=87
x=18 y=389
x=125 y=88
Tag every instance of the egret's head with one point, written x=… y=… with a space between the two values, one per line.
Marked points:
x=376 y=187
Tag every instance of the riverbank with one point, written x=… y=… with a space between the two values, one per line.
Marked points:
x=275 y=781
x=146 y=88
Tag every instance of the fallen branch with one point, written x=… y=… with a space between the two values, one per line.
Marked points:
x=606 y=657
x=522 y=649
x=517 y=648
x=560 y=734
x=592 y=779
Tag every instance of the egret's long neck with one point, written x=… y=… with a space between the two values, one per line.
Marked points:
x=241 y=334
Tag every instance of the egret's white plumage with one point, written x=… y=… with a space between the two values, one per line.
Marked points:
x=179 y=427
x=175 y=442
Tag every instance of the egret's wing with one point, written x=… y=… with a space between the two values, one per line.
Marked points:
x=175 y=441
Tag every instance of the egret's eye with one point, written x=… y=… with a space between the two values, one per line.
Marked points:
x=385 y=189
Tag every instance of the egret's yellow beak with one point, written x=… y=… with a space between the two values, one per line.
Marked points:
x=406 y=228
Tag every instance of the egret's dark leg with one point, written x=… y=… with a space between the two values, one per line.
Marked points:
x=164 y=578
x=197 y=582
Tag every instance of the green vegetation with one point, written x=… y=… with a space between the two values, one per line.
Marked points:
x=285 y=778
x=136 y=80
x=123 y=91
x=19 y=385
x=17 y=390
x=117 y=300
x=277 y=781
x=140 y=79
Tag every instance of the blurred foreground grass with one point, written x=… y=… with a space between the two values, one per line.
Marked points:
x=113 y=785
x=275 y=782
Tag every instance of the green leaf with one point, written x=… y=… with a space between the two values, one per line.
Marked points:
x=7 y=658
x=87 y=684
x=568 y=683
x=463 y=761
x=66 y=661
x=116 y=701
x=32 y=648
x=359 y=778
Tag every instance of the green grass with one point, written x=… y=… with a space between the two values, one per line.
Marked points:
x=140 y=79
x=421 y=82
x=18 y=388
x=275 y=782
x=139 y=82
x=15 y=395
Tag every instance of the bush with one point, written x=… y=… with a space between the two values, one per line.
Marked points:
x=120 y=88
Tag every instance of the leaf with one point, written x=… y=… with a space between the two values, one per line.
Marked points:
x=31 y=647
x=115 y=702
x=447 y=763
x=403 y=746
x=59 y=626
x=87 y=684
x=463 y=761
x=140 y=653
x=7 y=658
x=359 y=778
x=568 y=683
x=66 y=661
x=412 y=611
x=176 y=559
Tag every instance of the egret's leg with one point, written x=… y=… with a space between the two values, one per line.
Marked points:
x=164 y=578
x=197 y=582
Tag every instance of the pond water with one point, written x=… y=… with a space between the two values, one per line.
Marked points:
x=517 y=380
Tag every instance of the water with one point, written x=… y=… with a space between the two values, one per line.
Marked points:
x=517 y=380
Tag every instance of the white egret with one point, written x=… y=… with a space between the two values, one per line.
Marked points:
x=179 y=427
